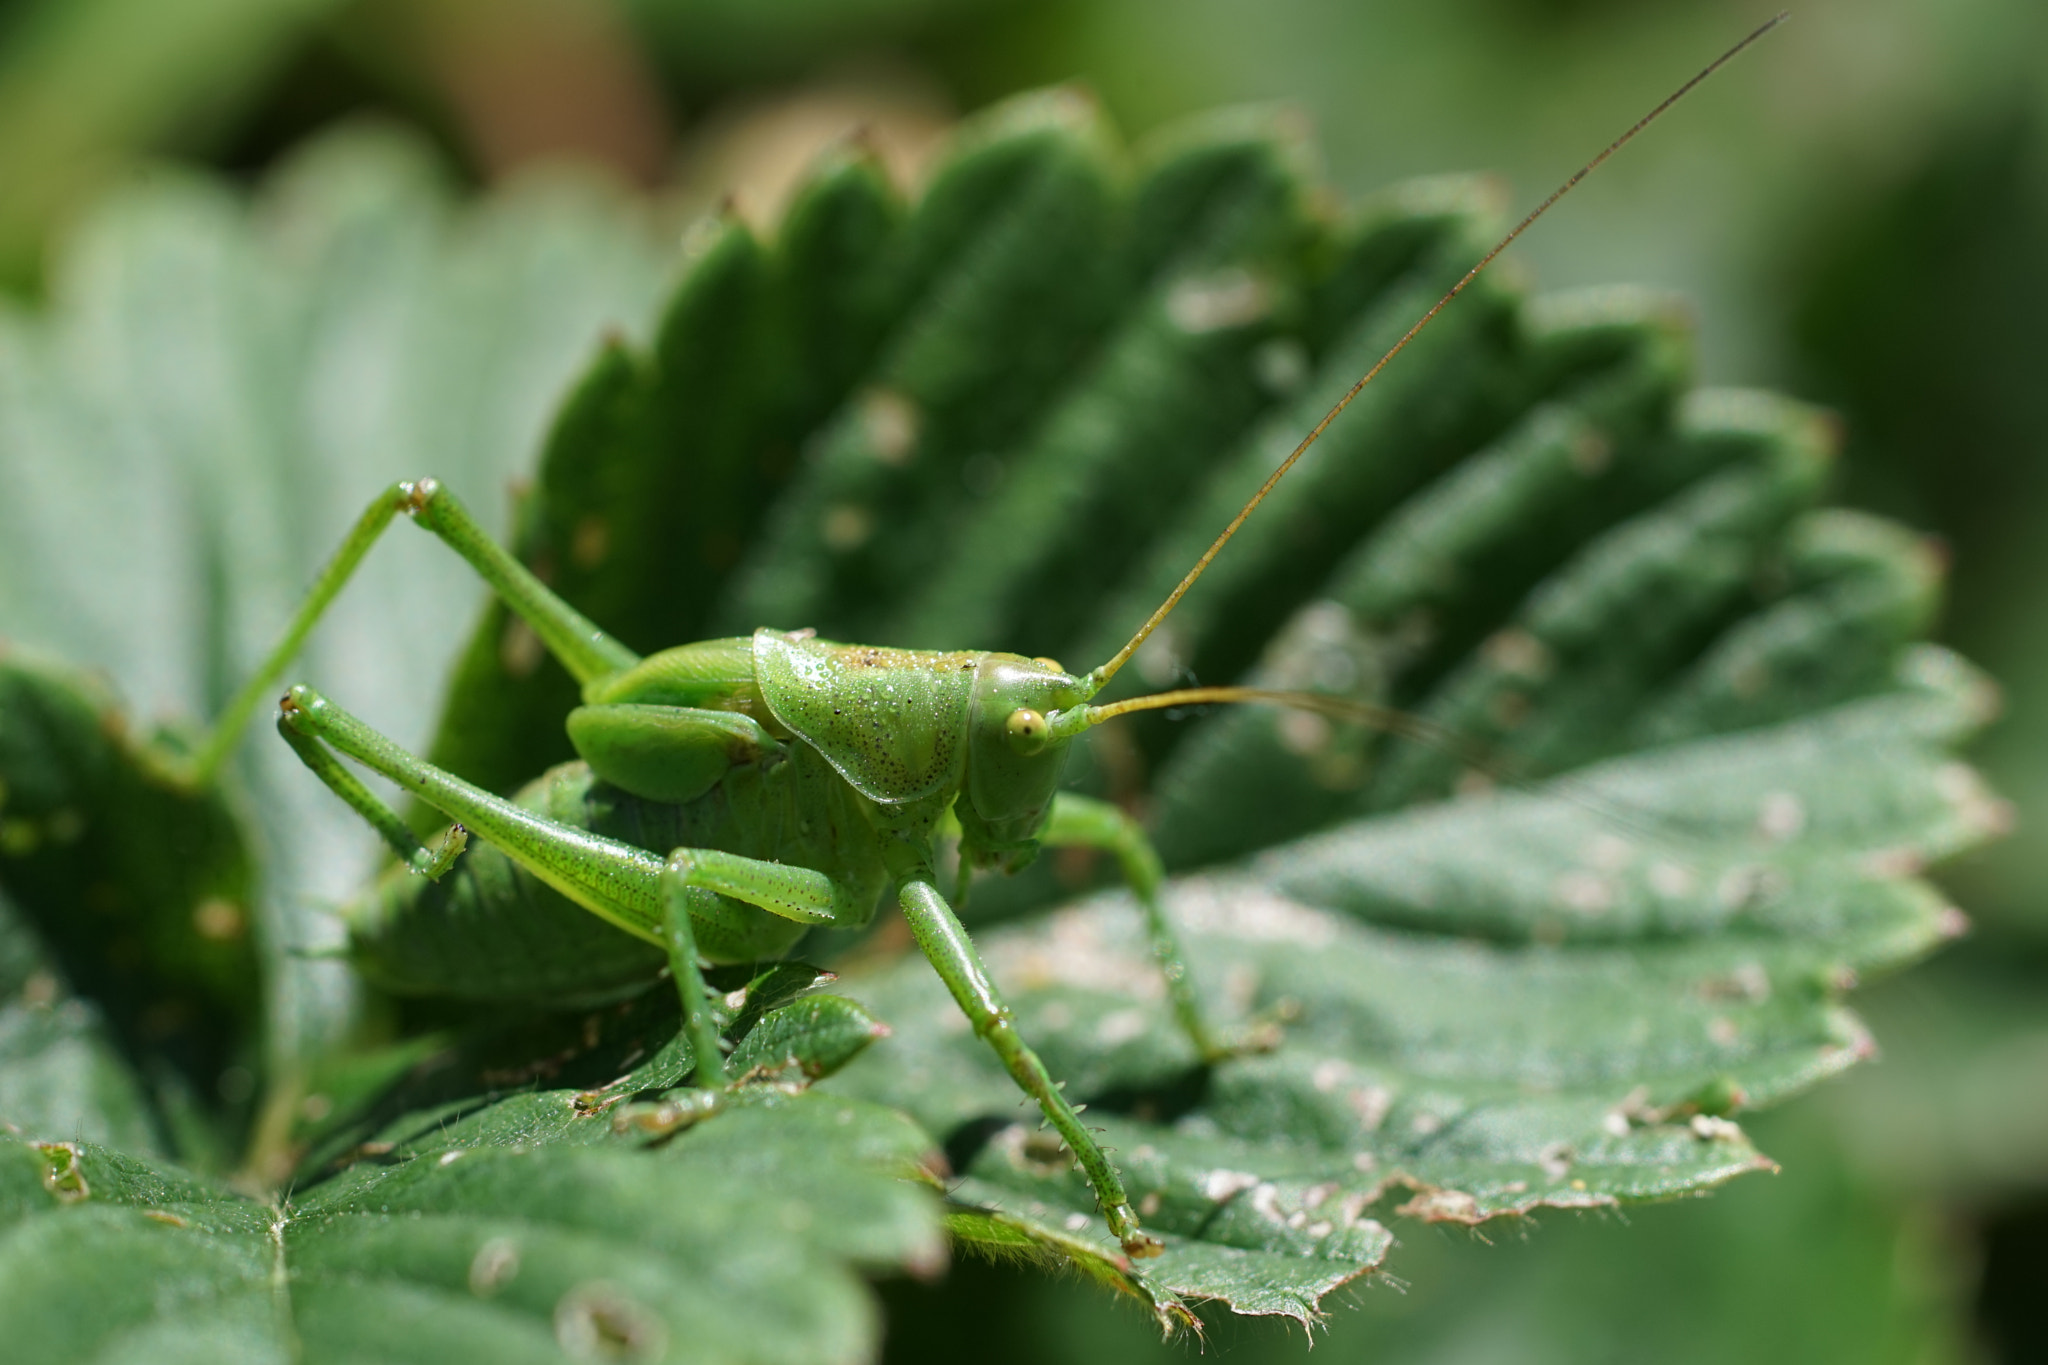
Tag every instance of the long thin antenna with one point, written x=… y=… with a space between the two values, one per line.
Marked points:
x=1387 y=720
x=1102 y=675
x=1403 y=724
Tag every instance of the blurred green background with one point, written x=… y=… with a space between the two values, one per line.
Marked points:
x=1858 y=211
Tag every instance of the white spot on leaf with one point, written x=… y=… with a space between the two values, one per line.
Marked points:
x=493 y=1267
x=1587 y=893
x=1371 y=1103
x=890 y=423
x=1120 y=1028
x=1672 y=880
x=846 y=527
x=1781 y=817
x=1219 y=1185
x=1231 y=297
x=1517 y=652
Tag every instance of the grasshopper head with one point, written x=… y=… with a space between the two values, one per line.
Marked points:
x=1014 y=760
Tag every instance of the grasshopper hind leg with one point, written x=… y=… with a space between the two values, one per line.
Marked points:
x=310 y=724
x=666 y=901
x=1083 y=822
x=587 y=652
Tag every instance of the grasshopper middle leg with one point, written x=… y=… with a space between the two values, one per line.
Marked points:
x=1083 y=822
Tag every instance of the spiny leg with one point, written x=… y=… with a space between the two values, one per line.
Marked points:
x=583 y=649
x=397 y=835
x=945 y=944
x=613 y=880
x=1083 y=822
x=628 y=886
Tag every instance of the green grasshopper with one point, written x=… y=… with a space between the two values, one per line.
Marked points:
x=736 y=793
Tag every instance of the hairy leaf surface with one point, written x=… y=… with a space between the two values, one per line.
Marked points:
x=517 y=1231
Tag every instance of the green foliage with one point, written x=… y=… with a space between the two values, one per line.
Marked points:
x=60 y=1071
x=1009 y=414
x=483 y=1206
x=218 y=389
x=724 y=40
x=1808 y=1264
x=1497 y=1005
x=141 y=893
x=507 y=1234
x=86 y=84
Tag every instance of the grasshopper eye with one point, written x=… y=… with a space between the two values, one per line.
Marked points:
x=1027 y=730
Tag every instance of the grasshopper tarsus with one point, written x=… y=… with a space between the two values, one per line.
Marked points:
x=434 y=864
x=1138 y=1244
x=665 y=1118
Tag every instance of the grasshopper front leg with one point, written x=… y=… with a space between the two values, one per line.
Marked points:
x=612 y=880
x=945 y=944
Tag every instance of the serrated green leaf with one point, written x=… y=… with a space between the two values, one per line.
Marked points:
x=1494 y=1005
x=482 y=1239
x=1527 y=531
x=486 y=1207
x=805 y=1041
x=137 y=897
x=1010 y=413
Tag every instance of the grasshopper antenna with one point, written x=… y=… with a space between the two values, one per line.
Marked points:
x=1402 y=725
x=1095 y=681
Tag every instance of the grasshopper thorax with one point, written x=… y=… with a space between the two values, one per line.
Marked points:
x=905 y=726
